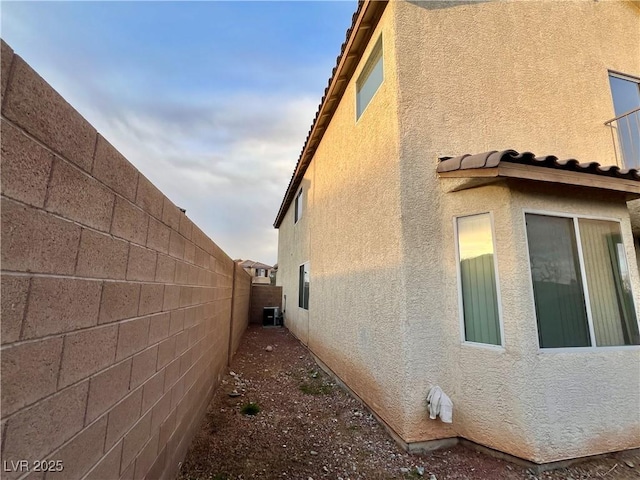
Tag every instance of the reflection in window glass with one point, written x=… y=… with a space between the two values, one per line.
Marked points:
x=478 y=280
x=370 y=78
x=626 y=98
x=303 y=287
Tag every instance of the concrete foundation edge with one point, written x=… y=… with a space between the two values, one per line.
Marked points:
x=431 y=445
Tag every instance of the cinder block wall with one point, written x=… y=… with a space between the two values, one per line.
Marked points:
x=116 y=308
x=264 y=296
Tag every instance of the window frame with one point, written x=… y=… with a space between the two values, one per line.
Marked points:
x=463 y=336
x=369 y=66
x=585 y=288
x=308 y=268
x=297 y=205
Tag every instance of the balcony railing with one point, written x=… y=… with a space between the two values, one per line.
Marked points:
x=625 y=133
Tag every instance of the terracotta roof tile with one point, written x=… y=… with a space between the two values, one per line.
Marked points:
x=494 y=158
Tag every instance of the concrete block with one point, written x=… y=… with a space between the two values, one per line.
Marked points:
x=146 y=457
x=6 y=57
x=177 y=321
x=34 y=241
x=172 y=374
x=135 y=440
x=190 y=316
x=148 y=197
x=171 y=297
x=129 y=222
x=167 y=428
x=25 y=167
x=107 y=388
x=171 y=214
x=201 y=258
x=176 y=245
x=158 y=237
x=186 y=361
x=115 y=171
x=160 y=411
x=186 y=226
x=128 y=473
x=58 y=305
x=194 y=274
x=122 y=417
x=142 y=264
x=32 y=104
x=87 y=352
x=158 y=467
x=81 y=453
x=35 y=432
x=177 y=392
x=77 y=196
x=133 y=336
x=29 y=373
x=166 y=352
x=151 y=298
x=189 y=252
x=165 y=269
x=102 y=256
x=186 y=295
x=119 y=301
x=159 y=327
x=14 y=301
x=109 y=466
x=152 y=390
x=182 y=342
x=144 y=365
x=182 y=272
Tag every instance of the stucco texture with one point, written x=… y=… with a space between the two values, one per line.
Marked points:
x=378 y=224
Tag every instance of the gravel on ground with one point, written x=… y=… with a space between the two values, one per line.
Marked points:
x=277 y=415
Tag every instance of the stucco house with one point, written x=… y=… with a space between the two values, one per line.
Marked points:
x=525 y=307
x=260 y=272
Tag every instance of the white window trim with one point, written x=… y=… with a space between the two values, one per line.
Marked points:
x=309 y=265
x=360 y=73
x=463 y=340
x=575 y=217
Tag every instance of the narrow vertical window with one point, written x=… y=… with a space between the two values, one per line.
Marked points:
x=303 y=287
x=478 y=280
x=626 y=105
x=298 y=207
x=370 y=78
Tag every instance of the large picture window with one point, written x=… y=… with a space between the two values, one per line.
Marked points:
x=370 y=78
x=478 y=280
x=303 y=287
x=581 y=282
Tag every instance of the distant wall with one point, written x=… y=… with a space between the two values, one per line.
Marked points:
x=116 y=308
x=263 y=296
x=241 y=299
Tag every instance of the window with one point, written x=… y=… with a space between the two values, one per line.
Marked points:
x=370 y=78
x=303 y=287
x=259 y=272
x=626 y=104
x=581 y=282
x=298 y=207
x=478 y=280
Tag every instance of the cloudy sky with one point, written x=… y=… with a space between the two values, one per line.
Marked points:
x=212 y=101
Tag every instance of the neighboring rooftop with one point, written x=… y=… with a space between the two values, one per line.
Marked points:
x=252 y=264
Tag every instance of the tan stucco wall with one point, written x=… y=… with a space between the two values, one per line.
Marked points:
x=350 y=233
x=490 y=76
x=378 y=224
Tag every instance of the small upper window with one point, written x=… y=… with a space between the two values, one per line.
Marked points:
x=370 y=78
x=626 y=105
x=298 y=207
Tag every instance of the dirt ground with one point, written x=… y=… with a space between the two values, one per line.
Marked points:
x=309 y=428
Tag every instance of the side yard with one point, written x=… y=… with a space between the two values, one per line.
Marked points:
x=304 y=426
